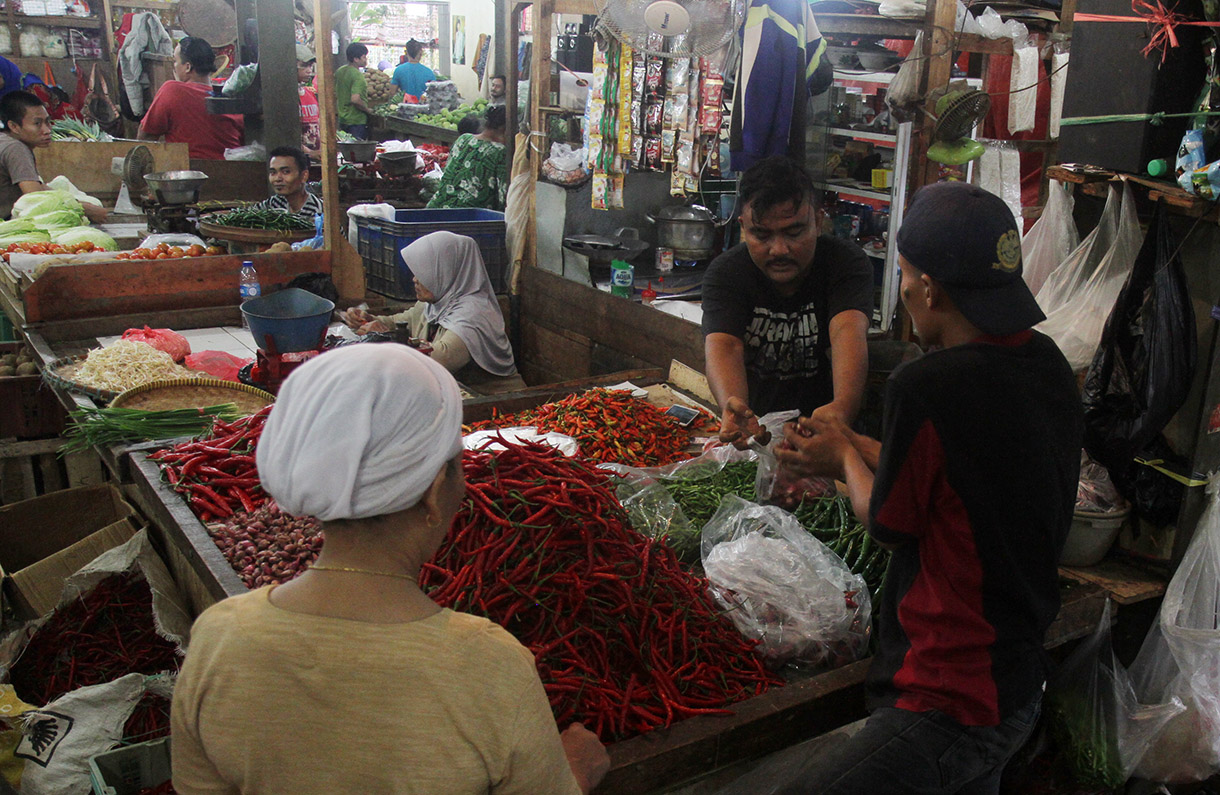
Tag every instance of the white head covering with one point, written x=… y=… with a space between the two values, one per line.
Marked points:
x=452 y=269
x=360 y=431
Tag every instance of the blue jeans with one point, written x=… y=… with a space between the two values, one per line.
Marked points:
x=921 y=752
x=359 y=131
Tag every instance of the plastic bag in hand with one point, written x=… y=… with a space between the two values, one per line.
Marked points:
x=1078 y=296
x=783 y=587
x=776 y=485
x=1181 y=658
x=1049 y=241
x=1101 y=728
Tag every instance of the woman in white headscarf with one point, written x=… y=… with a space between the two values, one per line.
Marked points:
x=349 y=678
x=457 y=313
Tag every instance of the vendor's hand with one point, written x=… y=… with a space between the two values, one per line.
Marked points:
x=738 y=424
x=375 y=327
x=355 y=318
x=808 y=454
x=586 y=756
x=95 y=212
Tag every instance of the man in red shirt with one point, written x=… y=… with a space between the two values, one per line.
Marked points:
x=311 y=137
x=179 y=111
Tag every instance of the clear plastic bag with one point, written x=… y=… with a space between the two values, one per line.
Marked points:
x=252 y=152
x=774 y=483
x=1078 y=302
x=783 y=587
x=1096 y=491
x=182 y=240
x=1051 y=239
x=904 y=96
x=1180 y=659
x=1102 y=729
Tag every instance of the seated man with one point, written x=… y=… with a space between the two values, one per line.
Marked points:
x=786 y=312
x=26 y=127
x=288 y=170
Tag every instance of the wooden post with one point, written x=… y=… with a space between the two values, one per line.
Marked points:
x=277 y=70
x=347 y=269
x=938 y=50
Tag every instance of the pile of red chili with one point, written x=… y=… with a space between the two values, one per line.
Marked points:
x=217 y=474
x=105 y=634
x=611 y=426
x=625 y=640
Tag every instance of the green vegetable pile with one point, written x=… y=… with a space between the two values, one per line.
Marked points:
x=73 y=130
x=93 y=426
x=449 y=118
x=1088 y=748
x=253 y=218
x=829 y=519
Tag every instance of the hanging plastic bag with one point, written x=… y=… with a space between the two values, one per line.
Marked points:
x=1101 y=728
x=1179 y=659
x=1145 y=364
x=1051 y=239
x=904 y=98
x=1078 y=302
x=783 y=587
x=1096 y=491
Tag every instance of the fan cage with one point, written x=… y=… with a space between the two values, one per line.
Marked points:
x=713 y=25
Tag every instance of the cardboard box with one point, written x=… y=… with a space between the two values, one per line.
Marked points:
x=45 y=540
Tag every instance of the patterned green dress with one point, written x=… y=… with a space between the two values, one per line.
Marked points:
x=475 y=176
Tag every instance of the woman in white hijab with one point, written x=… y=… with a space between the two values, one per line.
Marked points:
x=349 y=678
x=457 y=312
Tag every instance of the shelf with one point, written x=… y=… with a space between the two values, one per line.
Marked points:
x=864 y=135
x=869 y=25
x=866 y=192
x=92 y=23
x=852 y=76
x=150 y=5
x=875 y=253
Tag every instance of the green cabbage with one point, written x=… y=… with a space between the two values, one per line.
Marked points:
x=37 y=236
x=16 y=227
x=80 y=234
x=44 y=201
x=57 y=220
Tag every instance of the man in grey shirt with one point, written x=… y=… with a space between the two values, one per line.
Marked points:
x=26 y=127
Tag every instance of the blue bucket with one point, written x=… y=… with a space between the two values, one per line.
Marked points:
x=295 y=319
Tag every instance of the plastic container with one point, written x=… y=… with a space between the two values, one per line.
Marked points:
x=295 y=319
x=126 y=771
x=248 y=286
x=381 y=242
x=622 y=278
x=1091 y=536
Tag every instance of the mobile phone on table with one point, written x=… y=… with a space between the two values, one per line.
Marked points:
x=685 y=416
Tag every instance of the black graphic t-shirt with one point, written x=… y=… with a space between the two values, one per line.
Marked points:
x=786 y=339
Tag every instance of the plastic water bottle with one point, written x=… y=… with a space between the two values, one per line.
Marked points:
x=249 y=287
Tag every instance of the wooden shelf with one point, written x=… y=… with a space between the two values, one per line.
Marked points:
x=864 y=135
x=93 y=23
x=869 y=25
x=852 y=190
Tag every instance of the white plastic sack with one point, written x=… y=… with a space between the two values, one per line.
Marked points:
x=1080 y=294
x=1051 y=239
x=252 y=152
x=180 y=239
x=1181 y=658
x=1022 y=99
x=1059 y=76
x=783 y=587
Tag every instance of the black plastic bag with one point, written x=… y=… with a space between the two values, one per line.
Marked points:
x=319 y=284
x=1144 y=366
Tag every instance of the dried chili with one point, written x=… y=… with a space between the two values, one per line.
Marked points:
x=625 y=640
x=106 y=633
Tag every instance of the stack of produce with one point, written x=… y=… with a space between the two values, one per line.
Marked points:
x=434 y=156
x=75 y=130
x=449 y=118
x=127 y=364
x=267 y=547
x=255 y=218
x=107 y=633
x=166 y=251
x=21 y=363
x=611 y=426
x=625 y=640
x=217 y=474
x=380 y=87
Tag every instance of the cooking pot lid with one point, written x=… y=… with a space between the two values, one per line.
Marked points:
x=685 y=212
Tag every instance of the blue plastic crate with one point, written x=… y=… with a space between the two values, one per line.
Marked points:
x=381 y=242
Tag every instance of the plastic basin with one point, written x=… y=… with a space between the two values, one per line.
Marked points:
x=293 y=318
x=1091 y=536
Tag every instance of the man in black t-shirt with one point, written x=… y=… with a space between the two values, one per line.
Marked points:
x=972 y=487
x=785 y=313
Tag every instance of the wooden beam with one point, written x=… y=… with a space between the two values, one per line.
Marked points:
x=938 y=49
x=347 y=269
x=277 y=72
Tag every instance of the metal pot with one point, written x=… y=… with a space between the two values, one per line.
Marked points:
x=690 y=230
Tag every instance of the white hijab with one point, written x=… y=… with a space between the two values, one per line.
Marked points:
x=452 y=269
x=360 y=431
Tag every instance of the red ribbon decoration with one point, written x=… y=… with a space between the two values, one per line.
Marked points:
x=1162 y=20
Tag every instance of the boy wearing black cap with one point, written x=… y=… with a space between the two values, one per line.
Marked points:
x=972 y=487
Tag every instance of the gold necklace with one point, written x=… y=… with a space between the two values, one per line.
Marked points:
x=410 y=577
